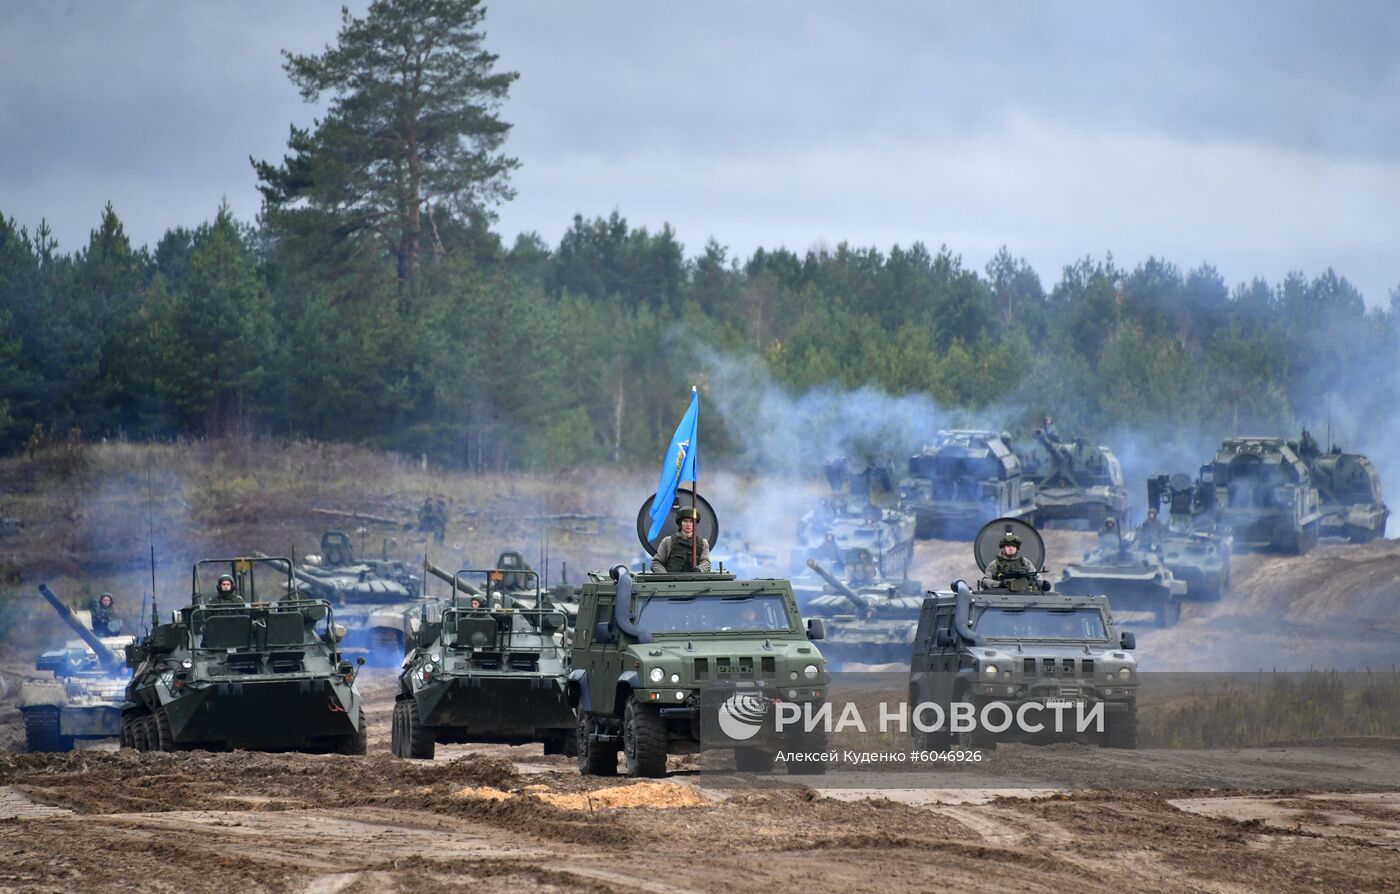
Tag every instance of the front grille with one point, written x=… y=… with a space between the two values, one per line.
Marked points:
x=702 y=668
x=769 y=668
x=1087 y=666
x=1028 y=665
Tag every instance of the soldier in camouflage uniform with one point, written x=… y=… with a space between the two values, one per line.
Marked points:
x=1010 y=569
x=225 y=590
x=104 y=616
x=1149 y=533
x=673 y=554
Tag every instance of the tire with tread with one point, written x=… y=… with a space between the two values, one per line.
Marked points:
x=357 y=743
x=1121 y=728
x=643 y=740
x=164 y=739
x=421 y=742
x=594 y=758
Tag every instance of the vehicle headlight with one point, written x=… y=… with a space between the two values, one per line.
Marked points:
x=657 y=675
x=675 y=678
x=187 y=664
x=428 y=668
x=1125 y=674
x=435 y=657
x=990 y=670
x=810 y=671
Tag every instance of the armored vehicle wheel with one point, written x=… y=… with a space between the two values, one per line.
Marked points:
x=594 y=758
x=41 y=730
x=358 y=741
x=148 y=723
x=421 y=742
x=809 y=743
x=127 y=740
x=140 y=740
x=164 y=739
x=643 y=740
x=754 y=760
x=1121 y=728
x=396 y=736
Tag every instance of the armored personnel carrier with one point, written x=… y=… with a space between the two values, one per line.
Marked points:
x=370 y=596
x=1075 y=481
x=1194 y=550
x=84 y=700
x=243 y=667
x=1265 y=496
x=485 y=669
x=963 y=480
x=860 y=514
x=1021 y=647
x=1350 y=489
x=682 y=663
x=867 y=620
x=1135 y=578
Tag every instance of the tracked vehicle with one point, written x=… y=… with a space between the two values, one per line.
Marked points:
x=256 y=667
x=867 y=620
x=1349 y=486
x=963 y=480
x=1026 y=646
x=84 y=699
x=1265 y=496
x=861 y=513
x=486 y=669
x=1077 y=482
x=1194 y=550
x=1135 y=579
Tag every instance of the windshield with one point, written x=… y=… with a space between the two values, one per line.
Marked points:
x=710 y=615
x=1040 y=623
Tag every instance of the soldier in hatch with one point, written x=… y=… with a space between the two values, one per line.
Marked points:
x=1010 y=569
x=225 y=591
x=675 y=552
x=1149 y=533
x=104 y=616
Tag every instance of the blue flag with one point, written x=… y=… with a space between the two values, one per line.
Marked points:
x=678 y=466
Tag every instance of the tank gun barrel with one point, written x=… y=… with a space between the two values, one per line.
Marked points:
x=105 y=656
x=296 y=572
x=435 y=571
x=859 y=601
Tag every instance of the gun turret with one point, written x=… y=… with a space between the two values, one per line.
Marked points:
x=105 y=656
x=435 y=571
x=1060 y=458
x=860 y=602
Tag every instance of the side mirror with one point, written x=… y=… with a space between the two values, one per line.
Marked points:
x=344 y=667
x=1127 y=640
x=360 y=661
x=816 y=629
x=603 y=633
x=944 y=639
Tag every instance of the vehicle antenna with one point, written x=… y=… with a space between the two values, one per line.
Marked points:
x=151 y=535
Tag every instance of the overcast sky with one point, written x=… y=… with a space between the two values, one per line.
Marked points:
x=1261 y=137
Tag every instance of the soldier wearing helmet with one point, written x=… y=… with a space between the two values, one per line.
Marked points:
x=674 y=553
x=1010 y=569
x=104 y=616
x=225 y=590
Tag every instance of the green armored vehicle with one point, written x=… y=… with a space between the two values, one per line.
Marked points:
x=868 y=620
x=1015 y=641
x=1075 y=481
x=860 y=514
x=963 y=480
x=680 y=663
x=1194 y=550
x=1134 y=576
x=1265 y=495
x=84 y=699
x=1350 y=489
x=486 y=669
x=370 y=596
x=244 y=667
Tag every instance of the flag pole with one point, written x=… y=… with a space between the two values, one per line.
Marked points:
x=694 y=488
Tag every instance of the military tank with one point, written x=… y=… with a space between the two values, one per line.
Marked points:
x=486 y=669
x=1076 y=481
x=963 y=480
x=370 y=596
x=1349 y=486
x=867 y=620
x=241 y=667
x=1193 y=549
x=859 y=514
x=1134 y=579
x=1265 y=496
x=84 y=699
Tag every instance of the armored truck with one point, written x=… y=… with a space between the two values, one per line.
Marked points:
x=860 y=514
x=1265 y=495
x=963 y=480
x=1076 y=481
x=244 y=667
x=679 y=663
x=1027 y=646
x=486 y=669
x=84 y=699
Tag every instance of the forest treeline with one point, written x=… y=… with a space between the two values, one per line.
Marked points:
x=373 y=301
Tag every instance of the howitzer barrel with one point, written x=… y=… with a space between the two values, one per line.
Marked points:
x=859 y=601
x=106 y=656
x=462 y=585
